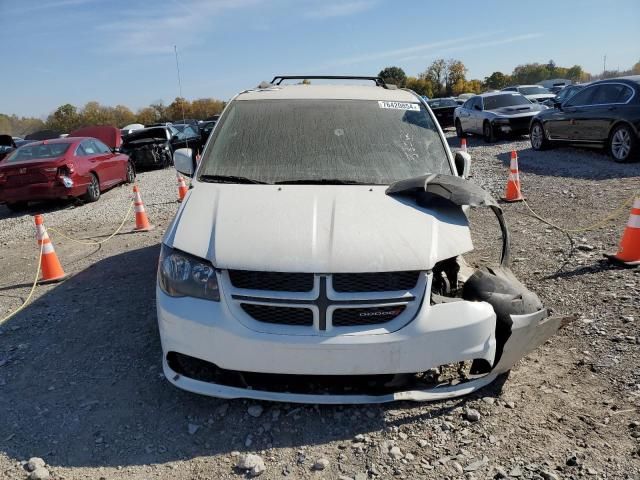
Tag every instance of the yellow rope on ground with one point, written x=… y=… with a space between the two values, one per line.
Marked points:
x=33 y=288
x=626 y=204
x=93 y=242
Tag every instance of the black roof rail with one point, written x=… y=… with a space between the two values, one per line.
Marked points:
x=277 y=80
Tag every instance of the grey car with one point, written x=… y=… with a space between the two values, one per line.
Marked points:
x=495 y=114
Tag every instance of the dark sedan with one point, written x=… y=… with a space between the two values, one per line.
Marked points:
x=603 y=114
x=443 y=109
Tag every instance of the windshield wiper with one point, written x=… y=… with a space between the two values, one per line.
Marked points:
x=227 y=179
x=322 y=181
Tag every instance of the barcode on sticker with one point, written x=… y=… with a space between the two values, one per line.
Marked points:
x=399 y=105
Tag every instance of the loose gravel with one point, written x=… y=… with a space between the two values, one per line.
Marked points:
x=81 y=386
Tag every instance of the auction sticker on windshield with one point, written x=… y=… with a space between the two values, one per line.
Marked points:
x=399 y=105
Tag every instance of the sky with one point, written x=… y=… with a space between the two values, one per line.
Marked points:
x=122 y=51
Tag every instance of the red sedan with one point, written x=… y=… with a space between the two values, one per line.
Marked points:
x=71 y=167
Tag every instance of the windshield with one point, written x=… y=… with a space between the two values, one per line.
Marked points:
x=533 y=90
x=364 y=141
x=505 y=100
x=442 y=102
x=38 y=152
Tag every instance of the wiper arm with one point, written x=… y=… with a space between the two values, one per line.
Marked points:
x=321 y=181
x=227 y=179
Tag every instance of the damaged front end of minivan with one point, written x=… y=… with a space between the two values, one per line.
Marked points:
x=522 y=323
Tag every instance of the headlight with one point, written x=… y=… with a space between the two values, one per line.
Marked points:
x=183 y=275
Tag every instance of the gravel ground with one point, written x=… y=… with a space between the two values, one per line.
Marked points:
x=81 y=384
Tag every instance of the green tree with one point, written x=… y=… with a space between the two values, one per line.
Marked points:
x=436 y=73
x=65 y=118
x=422 y=86
x=206 y=107
x=147 y=116
x=455 y=73
x=123 y=116
x=497 y=81
x=394 y=75
x=179 y=108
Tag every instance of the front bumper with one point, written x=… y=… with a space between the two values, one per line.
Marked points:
x=517 y=125
x=440 y=334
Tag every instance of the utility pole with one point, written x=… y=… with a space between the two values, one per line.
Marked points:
x=604 y=64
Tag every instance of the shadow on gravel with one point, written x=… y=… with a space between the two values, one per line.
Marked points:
x=573 y=162
x=602 y=266
x=81 y=384
x=40 y=207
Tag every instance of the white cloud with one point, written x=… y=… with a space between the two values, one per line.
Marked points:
x=474 y=45
x=23 y=7
x=157 y=30
x=341 y=9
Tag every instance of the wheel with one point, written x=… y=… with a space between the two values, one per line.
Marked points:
x=17 y=206
x=488 y=133
x=459 y=132
x=131 y=173
x=538 y=138
x=622 y=144
x=93 y=190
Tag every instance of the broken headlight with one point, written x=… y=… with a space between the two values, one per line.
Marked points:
x=183 y=275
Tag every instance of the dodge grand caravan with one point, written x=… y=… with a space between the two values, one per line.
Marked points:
x=317 y=256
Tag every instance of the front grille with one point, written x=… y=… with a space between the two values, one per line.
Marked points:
x=275 y=281
x=279 y=315
x=520 y=123
x=375 y=282
x=349 y=317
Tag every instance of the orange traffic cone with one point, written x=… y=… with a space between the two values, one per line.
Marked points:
x=463 y=144
x=142 y=222
x=182 y=188
x=49 y=264
x=629 y=251
x=513 y=193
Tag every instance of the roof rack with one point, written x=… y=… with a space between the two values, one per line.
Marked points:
x=277 y=80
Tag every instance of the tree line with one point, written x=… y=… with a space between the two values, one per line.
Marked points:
x=444 y=78
x=68 y=117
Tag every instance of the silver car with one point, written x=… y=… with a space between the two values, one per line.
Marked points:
x=494 y=114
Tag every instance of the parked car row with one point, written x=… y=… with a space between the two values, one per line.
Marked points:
x=82 y=165
x=605 y=114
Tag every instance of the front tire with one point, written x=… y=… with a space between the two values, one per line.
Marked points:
x=538 y=138
x=459 y=132
x=623 y=144
x=93 y=190
x=488 y=133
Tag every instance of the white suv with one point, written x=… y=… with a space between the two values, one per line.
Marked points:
x=316 y=257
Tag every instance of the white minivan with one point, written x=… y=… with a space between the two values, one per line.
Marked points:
x=317 y=255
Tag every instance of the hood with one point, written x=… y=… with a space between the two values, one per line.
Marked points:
x=517 y=110
x=110 y=136
x=7 y=141
x=304 y=228
x=43 y=135
x=540 y=96
x=152 y=133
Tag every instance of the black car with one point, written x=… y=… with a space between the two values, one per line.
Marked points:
x=7 y=145
x=154 y=146
x=604 y=114
x=564 y=94
x=206 y=128
x=443 y=109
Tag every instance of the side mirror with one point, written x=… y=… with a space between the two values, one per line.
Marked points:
x=183 y=161
x=462 y=161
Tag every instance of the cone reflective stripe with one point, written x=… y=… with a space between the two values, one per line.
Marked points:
x=629 y=251
x=182 y=188
x=142 y=222
x=463 y=144
x=513 y=192
x=49 y=264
